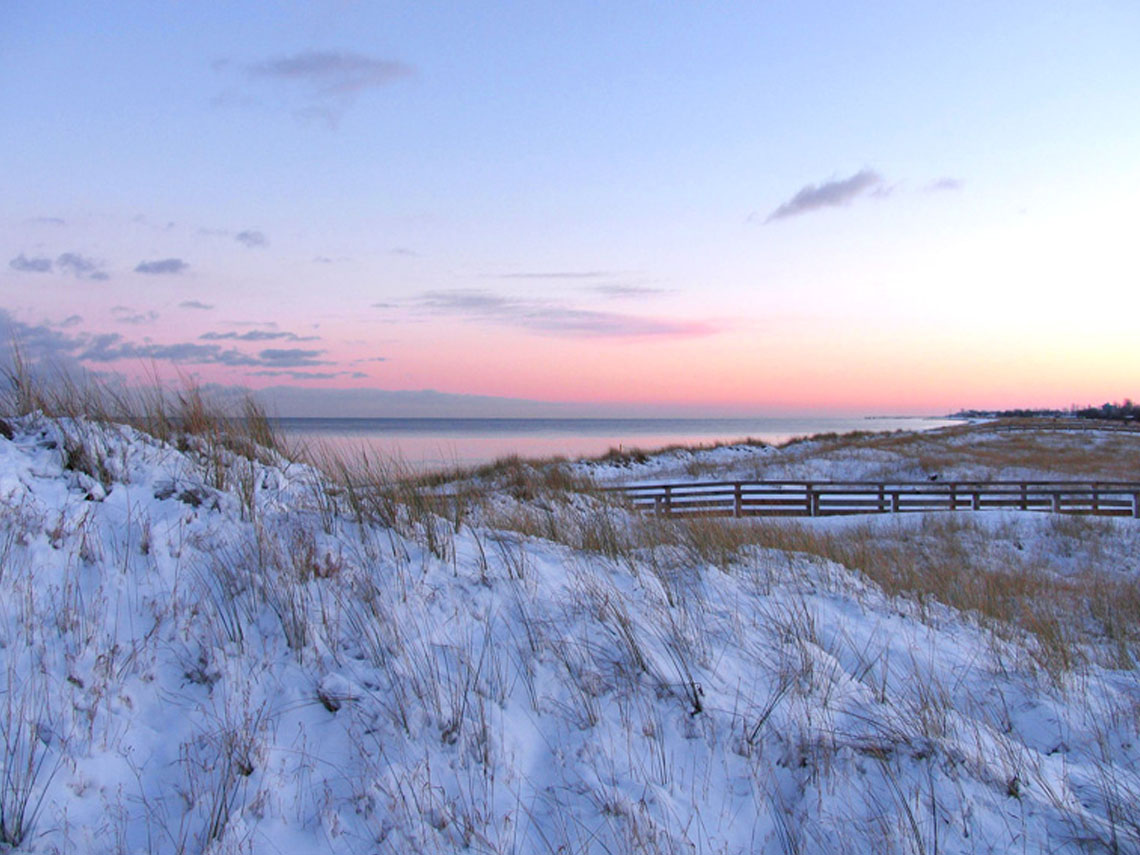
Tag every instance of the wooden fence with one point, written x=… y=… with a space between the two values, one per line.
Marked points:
x=830 y=498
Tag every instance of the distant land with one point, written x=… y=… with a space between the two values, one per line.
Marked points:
x=1124 y=412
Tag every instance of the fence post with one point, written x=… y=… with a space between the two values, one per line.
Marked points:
x=668 y=501
x=1057 y=502
x=896 y=503
x=809 y=498
x=882 y=499
x=1136 y=506
x=953 y=497
x=737 y=500
x=815 y=499
x=1024 y=498
x=977 y=501
x=1095 y=499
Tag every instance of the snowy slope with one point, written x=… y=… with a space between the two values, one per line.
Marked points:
x=204 y=654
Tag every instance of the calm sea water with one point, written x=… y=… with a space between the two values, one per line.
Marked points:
x=435 y=443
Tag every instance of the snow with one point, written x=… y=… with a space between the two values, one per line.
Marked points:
x=215 y=657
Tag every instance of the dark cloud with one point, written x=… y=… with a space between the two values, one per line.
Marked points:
x=44 y=343
x=70 y=321
x=251 y=238
x=194 y=304
x=291 y=357
x=30 y=265
x=830 y=194
x=555 y=319
x=332 y=73
x=162 y=267
x=256 y=335
x=81 y=267
x=37 y=342
x=944 y=184
x=111 y=347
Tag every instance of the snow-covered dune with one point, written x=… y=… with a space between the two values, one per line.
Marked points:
x=204 y=653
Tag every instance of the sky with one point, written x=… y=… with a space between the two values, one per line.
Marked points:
x=633 y=208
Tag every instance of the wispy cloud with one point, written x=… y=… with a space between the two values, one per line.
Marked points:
x=251 y=238
x=30 y=265
x=618 y=291
x=47 y=221
x=309 y=375
x=327 y=81
x=256 y=335
x=81 y=267
x=291 y=357
x=162 y=267
x=127 y=315
x=556 y=319
x=114 y=348
x=332 y=73
x=195 y=304
x=555 y=274
x=831 y=194
x=944 y=184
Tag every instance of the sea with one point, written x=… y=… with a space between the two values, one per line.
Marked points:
x=428 y=444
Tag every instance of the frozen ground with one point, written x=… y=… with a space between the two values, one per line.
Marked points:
x=207 y=654
x=988 y=450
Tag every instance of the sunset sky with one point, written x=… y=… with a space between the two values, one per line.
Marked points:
x=621 y=208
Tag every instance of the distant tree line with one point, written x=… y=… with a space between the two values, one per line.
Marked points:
x=1123 y=412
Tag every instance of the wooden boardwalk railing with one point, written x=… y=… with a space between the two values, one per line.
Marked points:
x=830 y=498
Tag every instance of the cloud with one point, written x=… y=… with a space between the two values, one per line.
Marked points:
x=944 y=184
x=162 y=267
x=48 y=346
x=195 y=304
x=309 y=375
x=830 y=194
x=47 y=221
x=328 y=82
x=81 y=267
x=292 y=357
x=556 y=319
x=127 y=315
x=256 y=335
x=70 y=321
x=30 y=265
x=111 y=347
x=251 y=238
x=621 y=291
x=332 y=73
x=557 y=274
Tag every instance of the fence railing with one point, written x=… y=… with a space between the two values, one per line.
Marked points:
x=830 y=498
